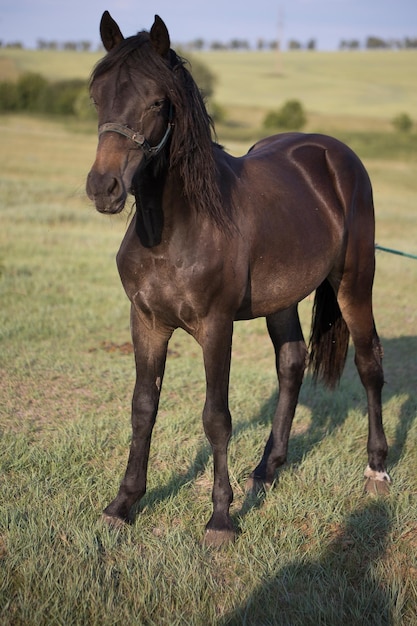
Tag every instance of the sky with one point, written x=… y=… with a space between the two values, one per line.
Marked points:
x=326 y=21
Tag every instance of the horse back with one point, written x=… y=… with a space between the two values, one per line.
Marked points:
x=317 y=161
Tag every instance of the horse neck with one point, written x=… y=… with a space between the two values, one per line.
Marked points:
x=179 y=212
x=188 y=198
x=161 y=205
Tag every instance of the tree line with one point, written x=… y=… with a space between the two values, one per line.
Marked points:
x=43 y=44
x=376 y=43
x=370 y=43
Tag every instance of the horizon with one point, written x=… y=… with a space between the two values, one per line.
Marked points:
x=328 y=22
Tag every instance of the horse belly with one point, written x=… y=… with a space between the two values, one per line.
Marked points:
x=283 y=271
x=281 y=287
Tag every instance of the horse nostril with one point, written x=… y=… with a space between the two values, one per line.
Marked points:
x=106 y=191
x=112 y=186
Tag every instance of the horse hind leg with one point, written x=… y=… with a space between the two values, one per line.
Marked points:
x=356 y=309
x=369 y=364
x=352 y=283
x=291 y=354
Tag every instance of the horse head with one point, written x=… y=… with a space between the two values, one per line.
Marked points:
x=134 y=110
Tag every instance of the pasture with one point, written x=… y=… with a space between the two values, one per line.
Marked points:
x=314 y=549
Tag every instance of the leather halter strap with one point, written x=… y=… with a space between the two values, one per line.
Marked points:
x=138 y=139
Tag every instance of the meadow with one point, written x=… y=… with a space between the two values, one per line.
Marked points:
x=314 y=549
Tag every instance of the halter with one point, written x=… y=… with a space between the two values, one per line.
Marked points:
x=137 y=138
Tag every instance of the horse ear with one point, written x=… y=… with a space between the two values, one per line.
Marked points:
x=109 y=31
x=160 y=37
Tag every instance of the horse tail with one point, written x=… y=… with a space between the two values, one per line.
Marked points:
x=329 y=339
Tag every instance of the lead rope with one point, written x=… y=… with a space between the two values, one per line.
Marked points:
x=399 y=252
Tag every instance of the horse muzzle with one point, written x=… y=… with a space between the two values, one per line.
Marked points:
x=107 y=192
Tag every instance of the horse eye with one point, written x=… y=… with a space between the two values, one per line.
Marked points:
x=157 y=104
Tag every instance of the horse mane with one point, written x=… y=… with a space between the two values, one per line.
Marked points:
x=192 y=148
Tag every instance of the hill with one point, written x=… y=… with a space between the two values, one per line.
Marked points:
x=375 y=85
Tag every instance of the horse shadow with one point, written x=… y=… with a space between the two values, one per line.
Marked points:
x=329 y=410
x=339 y=587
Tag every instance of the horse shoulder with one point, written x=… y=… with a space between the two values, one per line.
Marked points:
x=181 y=281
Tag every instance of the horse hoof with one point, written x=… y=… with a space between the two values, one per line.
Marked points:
x=377 y=487
x=377 y=483
x=218 y=538
x=116 y=523
x=256 y=486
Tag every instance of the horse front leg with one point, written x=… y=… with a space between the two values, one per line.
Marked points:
x=150 y=355
x=217 y=346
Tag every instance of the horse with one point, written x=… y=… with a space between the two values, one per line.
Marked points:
x=215 y=239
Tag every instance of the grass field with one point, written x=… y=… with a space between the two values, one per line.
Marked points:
x=313 y=551
x=362 y=89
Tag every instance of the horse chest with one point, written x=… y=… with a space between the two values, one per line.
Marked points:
x=165 y=290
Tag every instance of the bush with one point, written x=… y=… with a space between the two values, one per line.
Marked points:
x=402 y=123
x=8 y=96
x=290 y=116
x=217 y=112
x=30 y=88
x=83 y=107
x=34 y=94
x=24 y=95
x=60 y=98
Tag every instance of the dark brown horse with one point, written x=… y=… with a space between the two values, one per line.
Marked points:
x=216 y=239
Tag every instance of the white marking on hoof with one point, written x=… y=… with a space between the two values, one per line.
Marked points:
x=374 y=475
x=114 y=522
x=218 y=538
x=256 y=486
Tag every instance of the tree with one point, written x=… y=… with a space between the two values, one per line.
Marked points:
x=376 y=42
x=204 y=78
x=197 y=44
x=217 y=45
x=402 y=123
x=349 y=44
x=290 y=116
x=239 y=44
x=410 y=43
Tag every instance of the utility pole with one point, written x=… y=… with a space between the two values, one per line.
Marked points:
x=280 y=42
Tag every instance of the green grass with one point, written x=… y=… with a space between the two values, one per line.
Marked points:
x=313 y=550
x=53 y=65
x=373 y=84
